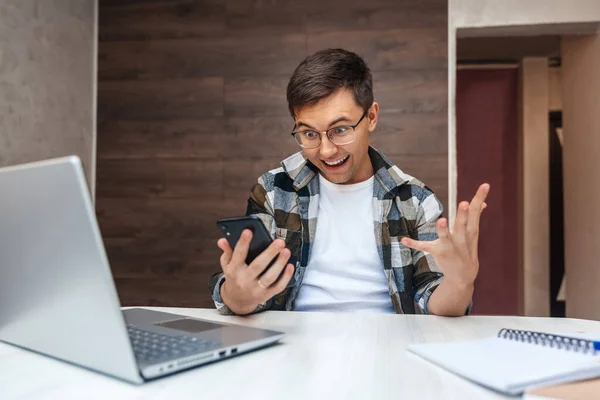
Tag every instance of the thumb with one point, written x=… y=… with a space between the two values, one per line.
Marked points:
x=418 y=245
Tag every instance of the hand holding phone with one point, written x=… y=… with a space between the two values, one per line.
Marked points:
x=255 y=266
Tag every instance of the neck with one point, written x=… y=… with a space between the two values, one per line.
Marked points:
x=363 y=172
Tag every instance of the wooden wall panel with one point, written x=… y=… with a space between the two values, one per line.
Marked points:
x=175 y=138
x=256 y=96
x=337 y=15
x=221 y=56
x=412 y=91
x=389 y=50
x=166 y=99
x=192 y=109
x=148 y=20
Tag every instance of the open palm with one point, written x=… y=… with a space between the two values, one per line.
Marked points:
x=455 y=252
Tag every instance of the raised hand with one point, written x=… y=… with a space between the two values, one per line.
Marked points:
x=455 y=252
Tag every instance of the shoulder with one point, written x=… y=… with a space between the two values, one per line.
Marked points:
x=413 y=193
x=274 y=179
x=395 y=181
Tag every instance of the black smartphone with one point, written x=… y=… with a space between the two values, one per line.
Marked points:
x=232 y=228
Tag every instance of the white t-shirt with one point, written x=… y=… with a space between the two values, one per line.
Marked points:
x=345 y=272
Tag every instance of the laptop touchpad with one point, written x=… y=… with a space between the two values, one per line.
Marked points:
x=189 y=325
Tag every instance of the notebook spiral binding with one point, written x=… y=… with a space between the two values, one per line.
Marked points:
x=551 y=340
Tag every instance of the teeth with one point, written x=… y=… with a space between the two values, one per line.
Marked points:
x=336 y=162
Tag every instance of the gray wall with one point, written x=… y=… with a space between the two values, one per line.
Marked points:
x=47 y=81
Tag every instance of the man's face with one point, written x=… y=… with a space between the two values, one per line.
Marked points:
x=341 y=164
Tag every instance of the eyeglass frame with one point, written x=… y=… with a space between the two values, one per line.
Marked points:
x=321 y=133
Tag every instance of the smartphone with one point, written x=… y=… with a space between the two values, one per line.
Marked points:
x=232 y=228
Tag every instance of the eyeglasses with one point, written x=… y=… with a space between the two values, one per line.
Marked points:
x=340 y=135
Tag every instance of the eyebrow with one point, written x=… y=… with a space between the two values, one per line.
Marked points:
x=340 y=119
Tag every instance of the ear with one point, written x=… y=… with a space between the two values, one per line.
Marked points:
x=373 y=116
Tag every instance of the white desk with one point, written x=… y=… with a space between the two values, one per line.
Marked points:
x=323 y=356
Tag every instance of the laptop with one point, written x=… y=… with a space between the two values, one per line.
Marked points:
x=58 y=298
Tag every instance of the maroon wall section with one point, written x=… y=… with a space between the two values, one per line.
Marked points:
x=487 y=148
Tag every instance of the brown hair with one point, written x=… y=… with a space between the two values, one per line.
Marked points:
x=326 y=71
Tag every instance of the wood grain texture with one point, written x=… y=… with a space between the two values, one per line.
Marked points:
x=411 y=133
x=390 y=50
x=154 y=259
x=411 y=91
x=173 y=98
x=206 y=138
x=175 y=178
x=149 y=20
x=261 y=137
x=252 y=96
x=266 y=17
x=169 y=218
x=383 y=15
x=192 y=110
x=220 y=56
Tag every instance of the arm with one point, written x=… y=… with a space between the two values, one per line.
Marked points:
x=427 y=279
x=455 y=253
x=240 y=288
x=451 y=299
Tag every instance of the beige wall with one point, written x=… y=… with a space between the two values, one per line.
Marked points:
x=501 y=17
x=581 y=127
x=535 y=17
x=502 y=13
x=535 y=221
x=47 y=81
x=554 y=87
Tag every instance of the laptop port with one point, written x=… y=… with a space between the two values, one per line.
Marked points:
x=222 y=353
x=234 y=351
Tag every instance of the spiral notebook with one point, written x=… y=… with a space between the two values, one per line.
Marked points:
x=516 y=360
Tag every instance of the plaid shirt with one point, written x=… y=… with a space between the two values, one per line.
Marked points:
x=286 y=200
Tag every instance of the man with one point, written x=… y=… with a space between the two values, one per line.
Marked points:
x=366 y=236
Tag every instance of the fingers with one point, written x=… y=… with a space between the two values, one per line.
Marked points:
x=462 y=216
x=475 y=209
x=273 y=272
x=227 y=252
x=241 y=248
x=481 y=194
x=281 y=284
x=258 y=265
x=418 y=245
x=442 y=228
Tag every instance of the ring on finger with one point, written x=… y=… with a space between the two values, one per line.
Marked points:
x=262 y=285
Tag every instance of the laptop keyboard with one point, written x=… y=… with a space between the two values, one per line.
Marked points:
x=150 y=347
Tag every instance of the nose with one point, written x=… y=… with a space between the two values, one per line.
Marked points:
x=327 y=148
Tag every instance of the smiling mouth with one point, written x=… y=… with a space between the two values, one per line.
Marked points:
x=336 y=163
